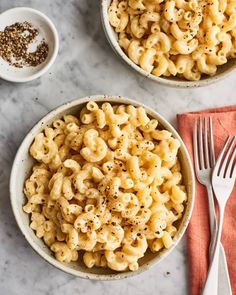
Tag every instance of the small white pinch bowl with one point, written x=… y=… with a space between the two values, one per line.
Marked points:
x=21 y=170
x=222 y=71
x=47 y=31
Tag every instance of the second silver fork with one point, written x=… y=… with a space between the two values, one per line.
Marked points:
x=204 y=160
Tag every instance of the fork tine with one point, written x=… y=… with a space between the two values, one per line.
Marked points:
x=230 y=172
x=195 y=145
x=212 y=151
x=234 y=172
x=226 y=158
x=206 y=149
x=200 y=144
x=220 y=156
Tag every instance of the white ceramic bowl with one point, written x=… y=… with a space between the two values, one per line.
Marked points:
x=46 y=30
x=21 y=170
x=111 y=35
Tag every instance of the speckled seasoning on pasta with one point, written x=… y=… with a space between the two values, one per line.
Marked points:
x=176 y=38
x=107 y=183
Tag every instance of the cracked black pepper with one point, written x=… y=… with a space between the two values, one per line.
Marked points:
x=14 y=46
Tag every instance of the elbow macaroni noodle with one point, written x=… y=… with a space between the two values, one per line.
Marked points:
x=111 y=193
x=176 y=37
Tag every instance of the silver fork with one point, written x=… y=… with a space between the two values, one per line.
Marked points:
x=204 y=160
x=223 y=179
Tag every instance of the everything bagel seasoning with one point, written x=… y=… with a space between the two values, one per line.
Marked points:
x=15 y=41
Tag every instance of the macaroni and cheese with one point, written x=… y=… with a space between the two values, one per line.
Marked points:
x=107 y=183
x=176 y=37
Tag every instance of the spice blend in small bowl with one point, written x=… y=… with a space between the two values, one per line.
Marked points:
x=15 y=42
x=29 y=44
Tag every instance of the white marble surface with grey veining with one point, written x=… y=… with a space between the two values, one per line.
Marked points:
x=86 y=65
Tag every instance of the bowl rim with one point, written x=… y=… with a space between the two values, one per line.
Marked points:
x=13 y=195
x=50 y=61
x=164 y=81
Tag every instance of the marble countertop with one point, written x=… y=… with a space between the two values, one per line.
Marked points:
x=86 y=65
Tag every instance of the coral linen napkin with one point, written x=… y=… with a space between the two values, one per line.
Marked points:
x=198 y=233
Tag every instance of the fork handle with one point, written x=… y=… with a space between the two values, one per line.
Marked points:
x=211 y=285
x=212 y=218
x=211 y=207
x=224 y=286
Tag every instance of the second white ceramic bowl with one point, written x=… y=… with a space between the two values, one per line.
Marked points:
x=21 y=170
x=111 y=35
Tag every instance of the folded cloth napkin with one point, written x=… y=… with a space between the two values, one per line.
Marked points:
x=198 y=233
